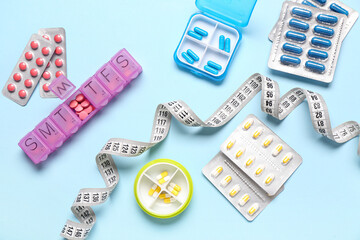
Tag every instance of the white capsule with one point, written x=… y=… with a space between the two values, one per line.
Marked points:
x=269 y=179
x=157 y=190
x=162 y=175
x=164 y=180
x=244 y=199
x=277 y=150
x=152 y=189
x=216 y=172
x=250 y=161
x=248 y=124
x=258 y=132
x=225 y=181
x=169 y=200
x=235 y=190
x=230 y=144
x=287 y=158
x=173 y=191
x=259 y=170
x=253 y=209
x=164 y=195
x=240 y=152
x=175 y=186
x=267 y=141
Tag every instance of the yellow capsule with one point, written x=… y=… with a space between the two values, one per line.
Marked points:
x=162 y=175
x=250 y=161
x=259 y=170
x=216 y=171
x=169 y=200
x=164 y=179
x=173 y=191
x=235 y=190
x=175 y=186
x=164 y=195
x=230 y=144
x=269 y=179
x=240 y=152
x=248 y=124
x=152 y=189
x=253 y=209
x=277 y=150
x=268 y=141
x=225 y=181
x=244 y=199
x=257 y=132
x=287 y=158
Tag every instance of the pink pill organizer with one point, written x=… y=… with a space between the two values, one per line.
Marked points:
x=64 y=121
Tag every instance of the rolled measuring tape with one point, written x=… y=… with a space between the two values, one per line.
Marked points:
x=271 y=103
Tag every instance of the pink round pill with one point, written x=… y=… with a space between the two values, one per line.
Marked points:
x=22 y=66
x=46 y=87
x=28 y=56
x=34 y=45
x=89 y=109
x=58 y=50
x=45 y=51
x=58 y=73
x=79 y=108
x=58 y=38
x=28 y=83
x=85 y=103
x=11 y=87
x=59 y=62
x=46 y=75
x=34 y=72
x=22 y=94
x=17 y=77
x=46 y=37
x=80 y=98
x=73 y=104
x=83 y=115
x=40 y=61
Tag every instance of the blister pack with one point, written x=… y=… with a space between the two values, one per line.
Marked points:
x=307 y=42
x=28 y=70
x=57 y=65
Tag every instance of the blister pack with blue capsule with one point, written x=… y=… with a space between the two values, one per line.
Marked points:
x=212 y=36
x=307 y=42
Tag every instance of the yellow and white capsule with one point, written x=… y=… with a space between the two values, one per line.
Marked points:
x=250 y=161
x=164 y=179
x=253 y=209
x=152 y=189
x=258 y=132
x=268 y=141
x=169 y=200
x=216 y=172
x=230 y=144
x=157 y=190
x=240 y=152
x=225 y=181
x=269 y=179
x=248 y=124
x=259 y=170
x=162 y=175
x=164 y=195
x=173 y=191
x=287 y=158
x=235 y=190
x=244 y=199
x=175 y=186
x=277 y=150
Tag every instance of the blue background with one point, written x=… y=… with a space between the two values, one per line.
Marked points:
x=319 y=201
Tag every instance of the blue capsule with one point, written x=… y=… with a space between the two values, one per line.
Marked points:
x=292 y=48
x=200 y=31
x=325 y=31
x=301 y=12
x=227 y=45
x=222 y=42
x=214 y=65
x=299 y=37
x=193 y=55
x=194 y=35
x=321 y=2
x=338 y=9
x=187 y=58
x=306 y=2
x=289 y=60
x=317 y=54
x=328 y=19
x=299 y=24
x=321 y=42
x=211 y=70
x=315 y=67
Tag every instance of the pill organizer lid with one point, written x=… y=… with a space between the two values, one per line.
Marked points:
x=235 y=12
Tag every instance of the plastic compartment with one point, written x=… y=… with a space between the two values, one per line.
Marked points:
x=65 y=119
x=153 y=205
x=217 y=56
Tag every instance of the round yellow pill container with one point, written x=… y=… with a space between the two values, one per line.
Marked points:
x=163 y=188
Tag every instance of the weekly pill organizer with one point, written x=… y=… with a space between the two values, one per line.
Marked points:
x=212 y=36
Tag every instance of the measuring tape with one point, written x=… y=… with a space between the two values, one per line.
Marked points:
x=271 y=103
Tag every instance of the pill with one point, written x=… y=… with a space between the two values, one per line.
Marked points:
x=22 y=66
x=59 y=73
x=28 y=56
x=162 y=175
x=287 y=158
x=45 y=87
x=58 y=50
x=187 y=57
x=172 y=190
x=80 y=98
x=315 y=67
x=157 y=190
x=235 y=190
x=200 y=31
x=227 y=45
x=211 y=70
x=321 y=42
x=164 y=195
x=289 y=60
x=328 y=19
x=253 y=209
x=11 y=87
x=28 y=83
x=57 y=38
x=244 y=199
x=17 y=77
x=193 y=55
x=85 y=103
x=222 y=42
x=269 y=179
x=325 y=31
x=46 y=37
x=299 y=24
x=336 y=8
x=268 y=141
x=301 y=12
x=277 y=150
x=46 y=75
x=216 y=172
x=73 y=104
x=321 y=2
x=39 y=62
x=59 y=62
x=45 y=51
x=230 y=144
x=83 y=115
x=225 y=181
x=194 y=35
x=34 y=72
x=257 y=132
x=313 y=53
x=152 y=190
x=306 y=2
x=240 y=152
x=214 y=65
x=248 y=124
x=259 y=170
x=89 y=109
x=164 y=179
x=250 y=161
x=79 y=108
x=34 y=45
x=169 y=200
x=175 y=186
x=295 y=36
x=22 y=94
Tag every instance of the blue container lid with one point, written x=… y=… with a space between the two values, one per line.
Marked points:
x=235 y=12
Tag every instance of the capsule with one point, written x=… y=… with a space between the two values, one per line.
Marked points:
x=296 y=36
x=327 y=19
x=194 y=35
x=200 y=31
x=222 y=42
x=268 y=141
x=258 y=132
x=172 y=190
x=277 y=150
x=321 y=42
x=157 y=190
x=321 y=2
x=164 y=195
x=287 y=158
x=306 y=2
x=187 y=57
x=301 y=12
x=303 y=26
x=250 y=161
x=227 y=45
x=336 y=8
x=289 y=60
x=317 y=54
x=259 y=170
x=287 y=47
x=162 y=175
x=164 y=180
x=253 y=209
x=248 y=124
x=269 y=179
x=240 y=152
x=169 y=200
x=225 y=181
x=244 y=199
x=325 y=31
x=315 y=67
x=152 y=189
x=230 y=144
x=214 y=65
x=175 y=186
x=211 y=70
x=193 y=55
x=235 y=190
x=216 y=172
